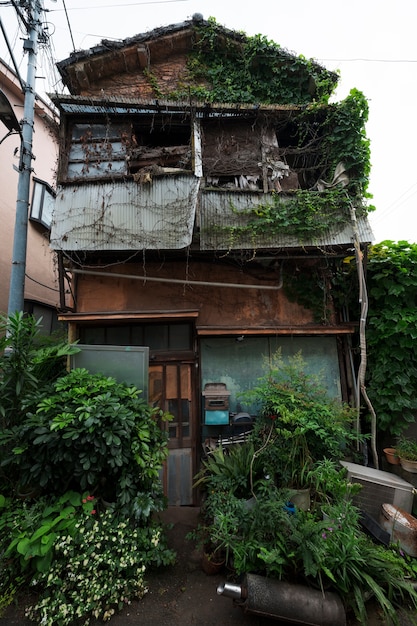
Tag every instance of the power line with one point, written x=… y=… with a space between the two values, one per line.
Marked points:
x=69 y=25
x=125 y=4
x=370 y=60
x=394 y=206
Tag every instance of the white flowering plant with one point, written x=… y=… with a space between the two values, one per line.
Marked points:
x=97 y=570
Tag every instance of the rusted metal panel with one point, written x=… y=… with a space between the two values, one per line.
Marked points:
x=124 y=215
x=115 y=104
x=179 y=477
x=222 y=210
x=234 y=308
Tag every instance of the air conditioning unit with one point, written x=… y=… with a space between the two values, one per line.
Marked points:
x=379 y=488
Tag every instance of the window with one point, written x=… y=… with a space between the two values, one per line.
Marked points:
x=43 y=202
x=159 y=337
x=98 y=150
x=115 y=147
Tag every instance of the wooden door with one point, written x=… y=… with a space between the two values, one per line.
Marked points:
x=171 y=388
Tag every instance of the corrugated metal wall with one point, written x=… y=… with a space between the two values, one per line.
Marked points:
x=124 y=215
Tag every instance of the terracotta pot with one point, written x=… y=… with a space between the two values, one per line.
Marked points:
x=210 y=565
x=28 y=492
x=391 y=456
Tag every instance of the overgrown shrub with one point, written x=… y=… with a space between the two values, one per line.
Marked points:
x=91 y=432
x=297 y=423
x=29 y=362
x=82 y=561
x=88 y=451
x=391 y=335
x=299 y=437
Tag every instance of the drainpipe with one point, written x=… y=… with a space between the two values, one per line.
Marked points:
x=276 y=599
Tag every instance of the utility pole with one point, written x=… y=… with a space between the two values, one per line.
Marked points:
x=18 y=269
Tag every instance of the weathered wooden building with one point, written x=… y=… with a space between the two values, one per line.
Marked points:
x=204 y=217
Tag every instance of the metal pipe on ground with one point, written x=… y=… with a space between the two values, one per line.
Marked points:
x=296 y=604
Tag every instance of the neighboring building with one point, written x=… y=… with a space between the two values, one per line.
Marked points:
x=41 y=285
x=210 y=233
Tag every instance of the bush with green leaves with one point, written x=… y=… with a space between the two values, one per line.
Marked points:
x=29 y=362
x=90 y=432
x=37 y=525
x=269 y=536
x=81 y=561
x=97 y=570
x=391 y=335
x=297 y=422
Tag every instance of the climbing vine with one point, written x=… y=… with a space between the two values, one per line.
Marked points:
x=230 y=67
x=336 y=133
x=226 y=66
x=303 y=214
x=310 y=289
x=392 y=334
x=344 y=139
x=391 y=331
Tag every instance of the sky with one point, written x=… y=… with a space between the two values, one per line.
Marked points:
x=371 y=43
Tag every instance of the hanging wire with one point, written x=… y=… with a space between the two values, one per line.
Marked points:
x=69 y=25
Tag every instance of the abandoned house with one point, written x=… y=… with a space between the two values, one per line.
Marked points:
x=207 y=195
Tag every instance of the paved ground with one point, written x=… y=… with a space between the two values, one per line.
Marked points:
x=183 y=595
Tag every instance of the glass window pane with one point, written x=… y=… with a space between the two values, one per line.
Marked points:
x=171 y=385
x=180 y=337
x=156 y=336
x=118 y=335
x=137 y=336
x=128 y=365
x=93 y=335
x=156 y=385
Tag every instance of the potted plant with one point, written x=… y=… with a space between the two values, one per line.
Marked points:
x=391 y=456
x=212 y=556
x=297 y=422
x=407 y=452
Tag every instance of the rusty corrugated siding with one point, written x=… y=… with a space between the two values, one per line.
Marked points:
x=222 y=210
x=122 y=215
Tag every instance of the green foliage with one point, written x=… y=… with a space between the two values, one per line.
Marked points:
x=342 y=556
x=298 y=424
x=299 y=437
x=231 y=67
x=311 y=288
x=97 y=570
x=63 y=435
x=345 y=140
x=406 y=448
x=28 y=363
x=230 y=470
x=82 y=562
x=306 y=215
x=331 y=551
x=90 y=432
x=391 y=334
x=36 y=527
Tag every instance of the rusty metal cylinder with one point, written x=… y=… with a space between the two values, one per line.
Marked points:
x=287 y=602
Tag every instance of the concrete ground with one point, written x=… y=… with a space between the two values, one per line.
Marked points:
x=183 y=595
